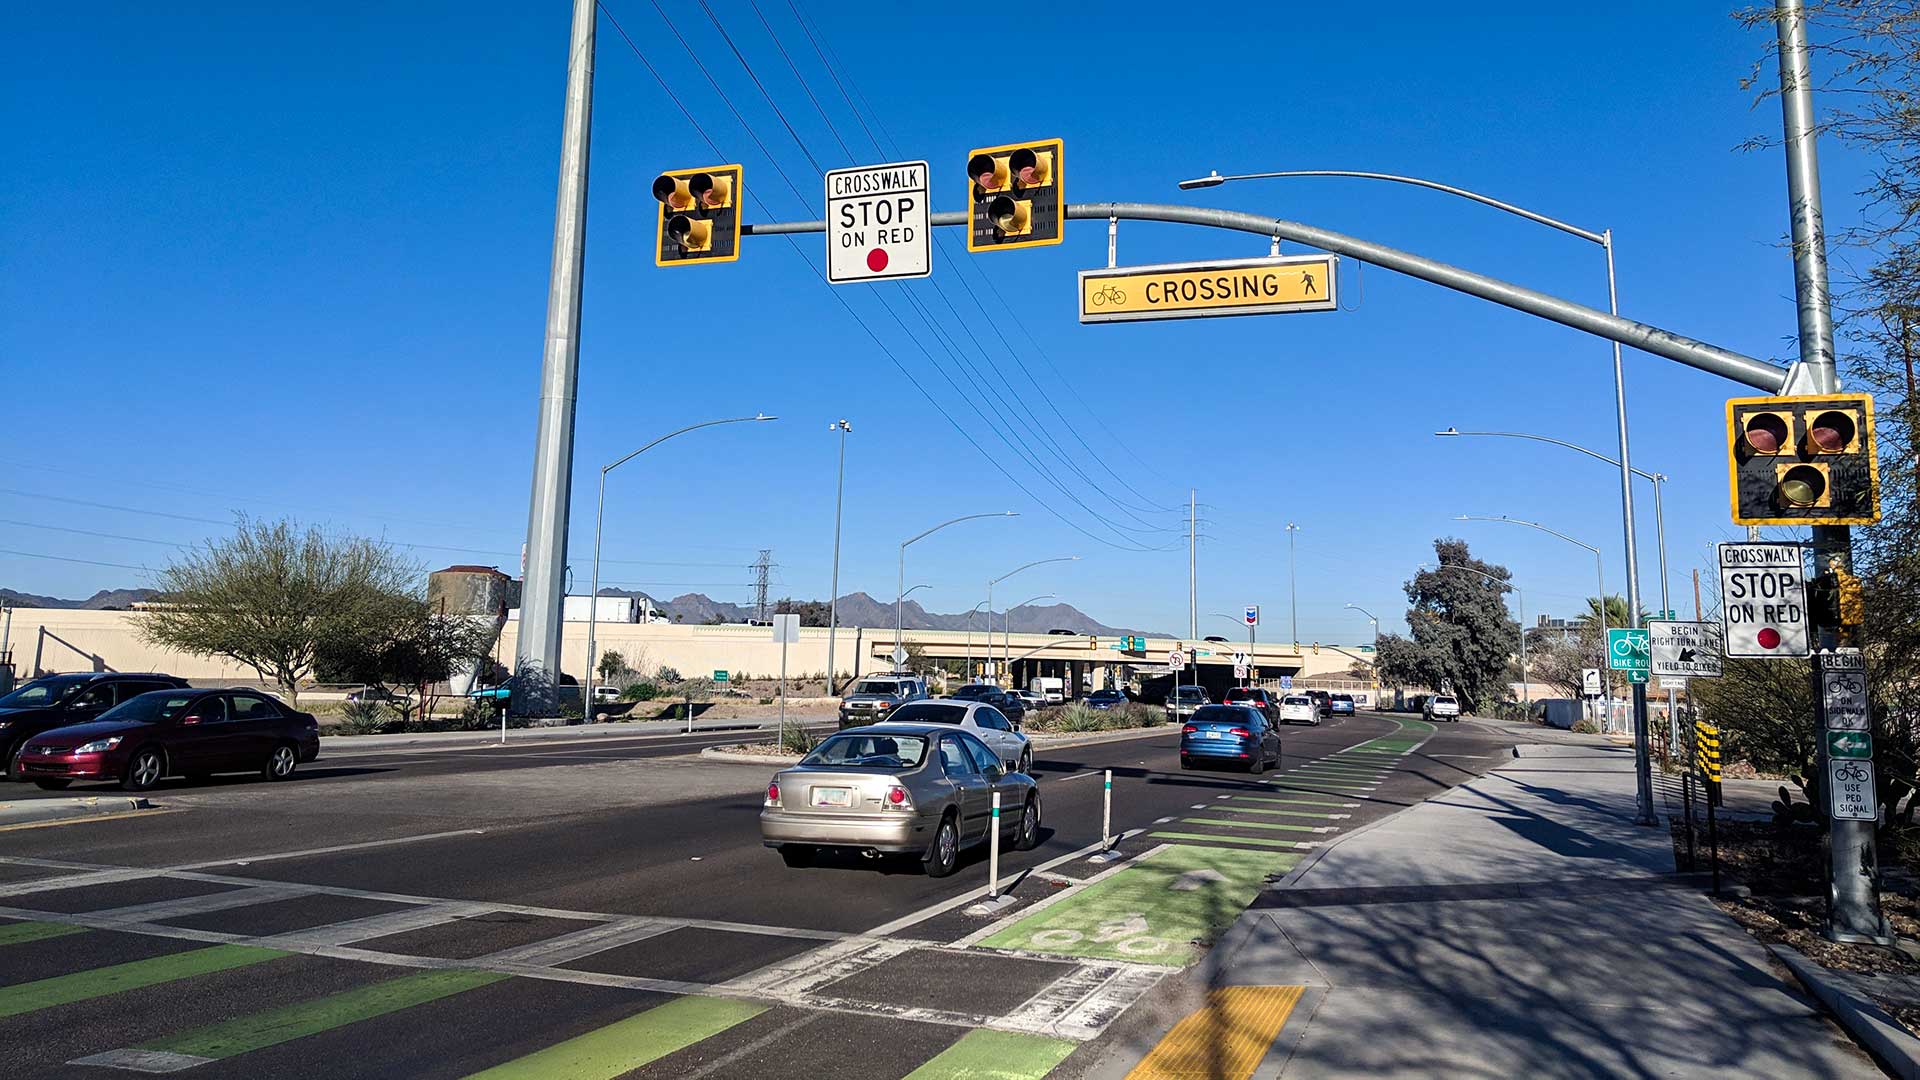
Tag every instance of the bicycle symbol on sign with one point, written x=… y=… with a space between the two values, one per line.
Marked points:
x=1850 y=772
x=1109 y=294
x=1844 y=688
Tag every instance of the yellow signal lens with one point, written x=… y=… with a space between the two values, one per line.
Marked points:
x=1031 y=168
x=692 y=234
x=989 y=172
x=1803 y=485
x=673 y=191
x=1013 y=217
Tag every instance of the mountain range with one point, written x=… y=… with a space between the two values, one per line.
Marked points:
x=854 y=609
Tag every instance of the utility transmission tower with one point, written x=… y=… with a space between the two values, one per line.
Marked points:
x=761 y=568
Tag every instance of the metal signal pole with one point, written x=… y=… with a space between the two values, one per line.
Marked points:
x=543 y=592
x=1853 y=909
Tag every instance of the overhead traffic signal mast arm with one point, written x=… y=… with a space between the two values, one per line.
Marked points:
x=1650 y=339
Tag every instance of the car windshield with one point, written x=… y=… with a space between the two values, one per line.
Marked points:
x=1108 y=695
x=876 y=686
x=976 y=690
x=1224 y=714
x=1296 y=701
x=1243 y=694
x=1343 y=697
x=43 y=692
x=150 y=708
x=868 y=751
x=1190 y=693
x=928 y=712
x=1445 y=701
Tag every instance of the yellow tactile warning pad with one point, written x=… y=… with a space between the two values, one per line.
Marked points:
x=1225 y=1040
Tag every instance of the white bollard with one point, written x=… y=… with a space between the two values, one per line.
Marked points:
x=1106 y=813
x=993 y=852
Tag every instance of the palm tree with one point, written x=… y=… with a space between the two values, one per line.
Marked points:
x=1616 y=612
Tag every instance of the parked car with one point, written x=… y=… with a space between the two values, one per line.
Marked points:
x=185 y=732
x=978 y=718
x=1443 y=707
x=1185 y=699
x=1265 y=700
x=1342 y=705
x=874 y=696
x=1322 y=702
x=56 y=701
x=910 y=789
x=1229 y=735
x=1298 y=709
x=1105 y=699
x=380 y=694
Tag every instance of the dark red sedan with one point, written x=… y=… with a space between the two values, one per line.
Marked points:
x=190 y=733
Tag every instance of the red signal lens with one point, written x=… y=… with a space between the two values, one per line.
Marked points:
x=1766 y=433
x=1830 y=432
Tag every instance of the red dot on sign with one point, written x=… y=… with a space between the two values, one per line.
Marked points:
x=877 y=260
x=1768 y=637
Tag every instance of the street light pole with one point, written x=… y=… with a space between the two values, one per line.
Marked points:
x=970 y=615
x=1006 y=632
x=1371 y=617
x=900 y=593
x=599 y=519
x=1604 y=239
x=991 y=582
x=833 y=597
x=543 y=591
x=1293 y=586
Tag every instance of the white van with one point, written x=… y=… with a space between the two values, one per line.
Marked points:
x=1053 y=690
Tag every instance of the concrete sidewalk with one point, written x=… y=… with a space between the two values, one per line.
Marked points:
x=1519 y=925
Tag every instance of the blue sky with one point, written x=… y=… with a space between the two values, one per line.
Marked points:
x=293 y=260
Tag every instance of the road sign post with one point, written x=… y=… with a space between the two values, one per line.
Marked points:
x=1763 y=600
x=877 y=227
x=786 y=630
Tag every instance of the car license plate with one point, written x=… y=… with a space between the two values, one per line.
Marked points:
x=832 y=796
x=1215 y=735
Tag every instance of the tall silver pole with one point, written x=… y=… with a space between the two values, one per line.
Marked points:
x=1193 y=563
x=988 y=657
x=899 y=599
x=833 y=599
x=537 y=647
x=1666 y=606
x=593 y=598
x=1526 y=687
x=1853 y=913
x=1293 y=586
x=1642 y=767
x=1606 y=669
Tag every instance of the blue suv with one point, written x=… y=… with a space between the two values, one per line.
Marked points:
x=1229 y=735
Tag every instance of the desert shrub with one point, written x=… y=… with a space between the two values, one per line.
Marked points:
x=364 y=717
x=644 y=690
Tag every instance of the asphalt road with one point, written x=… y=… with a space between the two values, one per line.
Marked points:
x=614 y=901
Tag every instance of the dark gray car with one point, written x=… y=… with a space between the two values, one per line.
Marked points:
x=873 y=697
x=910 y=789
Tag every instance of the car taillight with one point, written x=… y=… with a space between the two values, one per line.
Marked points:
x=1240 y=731
x=1188 y=730
x=773 y=794
x=897 y=799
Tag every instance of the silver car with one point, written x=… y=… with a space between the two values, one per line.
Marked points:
x=976 y=718
x=904 y=789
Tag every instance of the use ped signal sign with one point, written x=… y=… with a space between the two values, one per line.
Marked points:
x=877 y=223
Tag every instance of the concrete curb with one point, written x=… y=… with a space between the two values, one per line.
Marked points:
x=19 y=813
x=1869 y=1024
x=467 y=740
x=713 y=753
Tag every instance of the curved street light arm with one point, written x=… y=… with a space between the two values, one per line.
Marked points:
x=690 y=427
x=1596 y=455
x=1215 y=179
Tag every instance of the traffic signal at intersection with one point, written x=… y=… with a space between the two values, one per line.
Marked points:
x=1805 y=460
x=699 y=215
x=1014 y=196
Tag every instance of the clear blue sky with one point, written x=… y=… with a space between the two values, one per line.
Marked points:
x=294 y=260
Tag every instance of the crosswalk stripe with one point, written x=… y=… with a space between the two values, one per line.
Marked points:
x=1216 y=838
x=260 y=1030
x=1276 y=813
x=1272 y=826
x=20 y=933
x=99 y=982
x=626 y=1045
x=1291 y=801
x=985 y=1054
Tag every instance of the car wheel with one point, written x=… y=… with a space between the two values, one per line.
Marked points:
x=280 y=762
x=1258 y=765
x=1029 y=837
x=796 y=855
x=52 y=785
x=10 y=763
x=1026 y=761
x=143 y=771
x=943 y=854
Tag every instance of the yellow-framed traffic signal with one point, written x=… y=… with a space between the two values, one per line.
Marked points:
x=699 y=218
x=1802 y=460
x=1015 y=195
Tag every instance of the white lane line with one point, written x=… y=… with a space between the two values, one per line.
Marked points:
x=276 y=856
x=195 y=905
x=375 y=926
x=75 y=881
x=1075 y=776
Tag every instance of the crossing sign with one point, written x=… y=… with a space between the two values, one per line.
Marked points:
x=877 y=223
x=1627 y=649
x=1763 y=600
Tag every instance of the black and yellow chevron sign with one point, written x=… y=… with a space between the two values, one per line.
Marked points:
x=1706 y=749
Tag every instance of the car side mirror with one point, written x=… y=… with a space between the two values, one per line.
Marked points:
x=995 y=773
